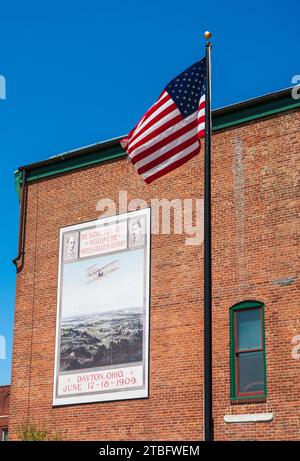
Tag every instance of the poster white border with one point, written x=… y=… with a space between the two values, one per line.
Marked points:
x=115 y=395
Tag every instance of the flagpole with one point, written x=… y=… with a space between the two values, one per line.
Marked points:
x=208 y=418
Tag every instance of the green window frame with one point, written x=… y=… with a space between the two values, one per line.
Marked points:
x=238 y=353
x=4 y=434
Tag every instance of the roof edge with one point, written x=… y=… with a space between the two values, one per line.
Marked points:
x=223 y=118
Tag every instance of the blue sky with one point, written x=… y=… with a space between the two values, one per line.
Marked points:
x=81 y=72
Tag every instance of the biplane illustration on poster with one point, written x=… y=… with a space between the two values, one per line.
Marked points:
x=102 y=330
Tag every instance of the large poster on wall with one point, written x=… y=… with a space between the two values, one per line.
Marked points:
x=102 y=332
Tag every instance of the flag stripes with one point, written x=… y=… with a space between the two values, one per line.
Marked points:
x=169 y=133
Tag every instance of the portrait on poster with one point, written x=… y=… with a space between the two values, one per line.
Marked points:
x=70 y=246
x=136 y=232
x=103 y=310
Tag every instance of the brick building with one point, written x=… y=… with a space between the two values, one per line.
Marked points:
x=255 y=200
x=4 y=412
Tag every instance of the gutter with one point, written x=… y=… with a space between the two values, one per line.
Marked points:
x=253 y=101
x=72 y=154
x=22 y=219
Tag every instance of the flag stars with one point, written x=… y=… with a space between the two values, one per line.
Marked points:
x=187 y=88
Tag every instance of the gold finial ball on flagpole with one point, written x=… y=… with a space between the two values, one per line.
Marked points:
x=207 y=35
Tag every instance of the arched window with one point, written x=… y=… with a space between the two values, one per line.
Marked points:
x=247 y=350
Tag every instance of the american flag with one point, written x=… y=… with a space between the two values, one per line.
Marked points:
x=169 y=133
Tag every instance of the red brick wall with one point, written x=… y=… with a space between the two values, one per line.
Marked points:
x=255 y=226
x=4 y=408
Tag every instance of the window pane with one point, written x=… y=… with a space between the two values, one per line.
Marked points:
x=249 y=329
x=4 y=435
x=251 y=372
